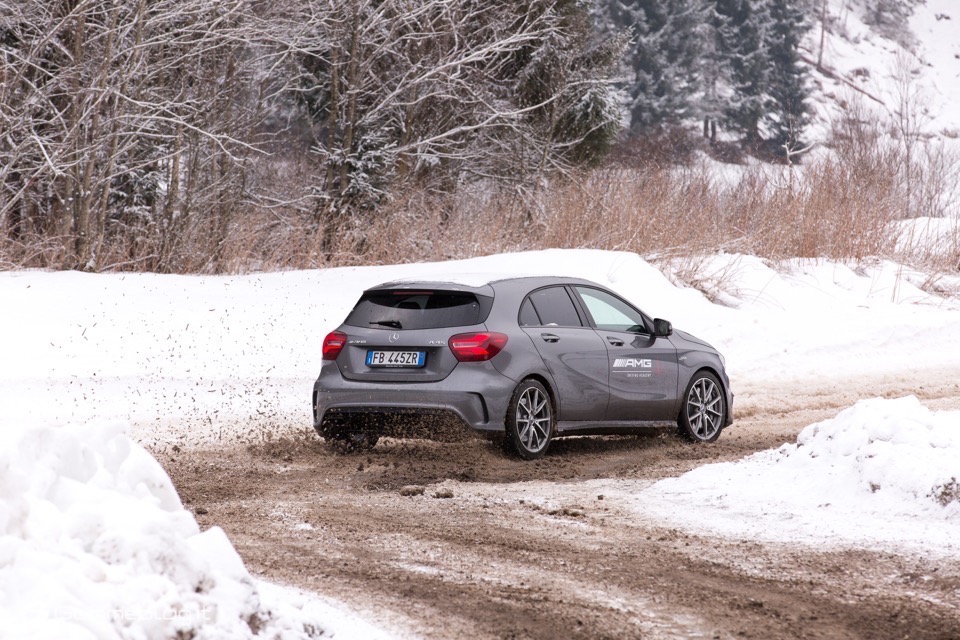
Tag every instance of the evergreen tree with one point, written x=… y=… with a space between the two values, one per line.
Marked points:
x=568 y=73
x=662 y=75
x=788 y=112
x=735 y=60
x=740 y=33
x=436 y=92
x=891 y=18
x=758 y=44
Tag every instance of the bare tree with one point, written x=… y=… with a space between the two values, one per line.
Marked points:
x=121 y=114
x=440 y=91
x=909 y=118
x=140 y=132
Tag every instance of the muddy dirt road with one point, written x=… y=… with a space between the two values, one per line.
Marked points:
x=487 y=546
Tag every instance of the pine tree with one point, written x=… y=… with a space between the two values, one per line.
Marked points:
x=740 y=33
x=788 y=111
x=891 y=18
x=663 y=62
x=436 y=92
x=568 y=73
x=736 y=60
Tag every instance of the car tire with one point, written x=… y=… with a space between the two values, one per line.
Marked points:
x=530 y=421
x=704 y=408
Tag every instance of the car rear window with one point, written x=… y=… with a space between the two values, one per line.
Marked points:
x=405 y=309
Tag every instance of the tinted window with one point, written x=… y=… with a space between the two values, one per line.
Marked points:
x=528 y=315
x=610 y=313
x=554 y=307
x=415 y=310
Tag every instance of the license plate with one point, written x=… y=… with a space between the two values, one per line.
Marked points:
x=411 y=359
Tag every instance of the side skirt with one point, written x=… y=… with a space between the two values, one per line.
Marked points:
x=619 y=427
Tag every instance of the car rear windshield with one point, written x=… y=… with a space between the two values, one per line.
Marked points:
x=406 y=309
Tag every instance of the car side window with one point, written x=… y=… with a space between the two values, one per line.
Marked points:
x=610 y=313
x=555 y=308
x=528 y=315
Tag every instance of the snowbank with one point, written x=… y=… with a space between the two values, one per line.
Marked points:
x=201 y=360
x=883 y=471
x=94 y=543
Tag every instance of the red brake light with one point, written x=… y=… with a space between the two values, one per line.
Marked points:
x=477 y=347
x=333 y=344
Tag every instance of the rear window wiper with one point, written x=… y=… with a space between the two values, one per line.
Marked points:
x=393 y=324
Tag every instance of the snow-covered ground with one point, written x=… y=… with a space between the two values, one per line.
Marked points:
x=882 y=474
x=94 y=540
x=191 y=359
x=862 y=65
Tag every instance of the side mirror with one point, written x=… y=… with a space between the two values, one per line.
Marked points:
x=662 y=328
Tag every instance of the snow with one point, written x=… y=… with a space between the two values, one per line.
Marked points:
x=97 y=369
x=200 y=359
x=865 y=67
x=935 y=26
x=924 y=236
x=95 y=543
x=881 y=473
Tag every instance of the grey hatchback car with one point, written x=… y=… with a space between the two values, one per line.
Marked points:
x=528 y=358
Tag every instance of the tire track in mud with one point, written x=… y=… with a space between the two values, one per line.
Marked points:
x=530 y=550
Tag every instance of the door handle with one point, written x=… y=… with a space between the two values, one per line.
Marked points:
x=549 y=337
x=617 y=342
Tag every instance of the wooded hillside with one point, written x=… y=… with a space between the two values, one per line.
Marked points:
x=211 y=135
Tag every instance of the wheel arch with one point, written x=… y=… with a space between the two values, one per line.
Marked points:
x=711 y=370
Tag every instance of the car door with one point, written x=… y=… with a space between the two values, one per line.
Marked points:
x=573 y=353
x=644 y=369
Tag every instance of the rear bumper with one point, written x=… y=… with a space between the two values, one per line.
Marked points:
x=476 y=393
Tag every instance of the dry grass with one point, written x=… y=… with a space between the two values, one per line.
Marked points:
x=842 y=207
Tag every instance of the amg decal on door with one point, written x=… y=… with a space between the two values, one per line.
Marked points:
x=633 y=363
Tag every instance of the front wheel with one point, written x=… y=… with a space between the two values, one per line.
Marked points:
x=529 y=420
x=703 y=411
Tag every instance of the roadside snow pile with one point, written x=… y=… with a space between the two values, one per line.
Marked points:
x=882 y=471
x=898 y=447
x=94 y=543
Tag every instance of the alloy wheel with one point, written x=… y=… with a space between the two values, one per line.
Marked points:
x=704 y=409
x=534 y=420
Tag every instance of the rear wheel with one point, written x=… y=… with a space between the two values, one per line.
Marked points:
x=703 y=412
x=529 y=422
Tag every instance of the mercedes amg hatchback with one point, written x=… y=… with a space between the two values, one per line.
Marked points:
x=530 y=358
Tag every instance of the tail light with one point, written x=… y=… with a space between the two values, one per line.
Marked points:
x=477 y=347
x=333 y=344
